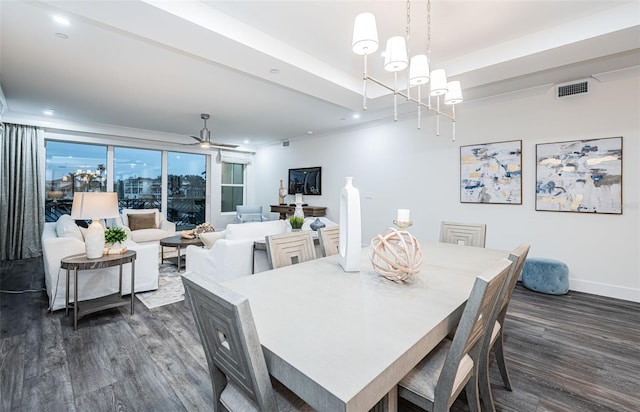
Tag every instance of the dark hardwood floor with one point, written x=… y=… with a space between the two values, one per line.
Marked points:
x=576 y=352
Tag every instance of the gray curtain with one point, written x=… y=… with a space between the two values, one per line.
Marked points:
x=21 y=191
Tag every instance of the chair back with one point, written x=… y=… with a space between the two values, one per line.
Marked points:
x=231 y=344
x=249 y=213
x=477 y=319
x=466 y=234
x=329 y=240
x=517 y=256
x=289 y=248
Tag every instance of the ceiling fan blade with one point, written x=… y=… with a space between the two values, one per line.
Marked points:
x=197 y=138
x=229 y=145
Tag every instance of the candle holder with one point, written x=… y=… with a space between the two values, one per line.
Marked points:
x=402 y=224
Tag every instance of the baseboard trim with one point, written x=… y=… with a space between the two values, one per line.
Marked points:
x=604 y=289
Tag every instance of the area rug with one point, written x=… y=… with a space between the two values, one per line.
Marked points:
x=170 y=289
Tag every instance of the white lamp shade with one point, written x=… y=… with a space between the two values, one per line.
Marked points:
x=94 y=205
x=395 y=58
x=454 y=95
x=438 y=82
x=419 y=70
x=365 y=34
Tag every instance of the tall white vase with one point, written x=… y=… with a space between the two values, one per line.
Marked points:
x=350 y=231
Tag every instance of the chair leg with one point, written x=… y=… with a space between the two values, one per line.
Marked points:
x=471 y=389
x=484 y=384
x=498 y=349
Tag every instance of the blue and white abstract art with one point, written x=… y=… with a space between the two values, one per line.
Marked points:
x=580 y=176
x=491 y=173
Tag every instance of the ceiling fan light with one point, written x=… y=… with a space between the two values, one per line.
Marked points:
x=454 y=95
x=438 y=82
x=419 y=70
x=365 y=34
x=205 y=145
x=395 y=58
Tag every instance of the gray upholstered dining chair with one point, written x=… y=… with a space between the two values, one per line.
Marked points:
x=495 y=340
x=290 y=248
x=467 y=234
x=250 y=213
x=438 y=379
x=238 y=370
x=329 y=240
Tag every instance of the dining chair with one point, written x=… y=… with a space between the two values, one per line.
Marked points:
x=238 y=370
x=495 y=340
x=329 y=240
x=466 y=234
x=290 y=248
x=435 y=383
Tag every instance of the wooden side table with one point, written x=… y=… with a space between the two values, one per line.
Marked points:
x=179 y=242
x=81 y=262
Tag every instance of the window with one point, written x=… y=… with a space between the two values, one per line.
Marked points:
x=70 y=168
x=137 y=178
x=232 y=186
x=187 y=189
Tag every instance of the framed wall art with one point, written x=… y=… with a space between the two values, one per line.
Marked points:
x=580 y=176
x=491 y=173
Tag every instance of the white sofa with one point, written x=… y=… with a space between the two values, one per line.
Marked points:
x=163 y=228
x=64 y=238
x=231 y=256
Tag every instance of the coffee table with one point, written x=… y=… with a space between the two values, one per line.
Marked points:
x=179 y=242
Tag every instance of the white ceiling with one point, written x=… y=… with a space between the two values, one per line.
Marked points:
x=149 y=68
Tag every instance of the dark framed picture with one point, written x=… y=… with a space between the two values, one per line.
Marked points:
x=305 y=180
x=580 y=176
x=491 y=173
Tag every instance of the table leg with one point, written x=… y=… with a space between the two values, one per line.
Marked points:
x=161 y=254
x=133 y=277
x=179 y=259
x=253 y=259
x=389 y=403
x=75 y=299
x=120 y=281
x=66 y=298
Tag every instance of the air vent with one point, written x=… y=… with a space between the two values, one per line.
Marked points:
x=572 y=89
x=285 y=143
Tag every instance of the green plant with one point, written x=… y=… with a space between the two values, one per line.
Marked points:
x=296 y=222
x=114 y=235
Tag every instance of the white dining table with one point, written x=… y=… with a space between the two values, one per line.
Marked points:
x=343 y=340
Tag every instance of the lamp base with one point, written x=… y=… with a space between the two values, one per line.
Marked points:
x=94 y=241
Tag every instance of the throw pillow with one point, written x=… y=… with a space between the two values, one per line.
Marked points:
x=139 y=221
x=209 y=238
x=66 y=227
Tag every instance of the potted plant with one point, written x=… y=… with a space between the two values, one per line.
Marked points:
x=296 y=222
x=114 y=235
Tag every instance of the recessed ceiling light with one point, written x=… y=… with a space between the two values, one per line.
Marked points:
x=274 y=71
x=309 y=131
x=356 y=115
x=49 y=112
x=61 y=20
x=247 y=141
x=61 y=36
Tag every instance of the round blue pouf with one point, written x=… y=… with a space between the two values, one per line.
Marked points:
x=546 y=276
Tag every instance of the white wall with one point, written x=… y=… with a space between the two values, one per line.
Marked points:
x=396 y=166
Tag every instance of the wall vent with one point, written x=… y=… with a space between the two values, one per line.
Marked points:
x=285 y=143
x=572 y=89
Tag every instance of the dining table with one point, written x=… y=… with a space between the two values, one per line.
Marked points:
x=343 y=340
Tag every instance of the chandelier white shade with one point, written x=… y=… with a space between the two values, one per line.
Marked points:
x=395 y=57
x=94 y=206
x=454 y=93
x=365 y=34
x=419 y=70
x=365 y=42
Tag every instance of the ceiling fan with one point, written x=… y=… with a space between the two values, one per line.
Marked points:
x=204 y=141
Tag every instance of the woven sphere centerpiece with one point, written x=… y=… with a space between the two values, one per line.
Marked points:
x=395 y=254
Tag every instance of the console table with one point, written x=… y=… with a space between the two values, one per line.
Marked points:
x=82 y=262
x=309 y=211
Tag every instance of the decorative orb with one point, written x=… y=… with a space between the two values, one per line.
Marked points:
x=395 y=254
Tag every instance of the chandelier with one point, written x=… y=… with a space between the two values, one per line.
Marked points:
x=365 y=42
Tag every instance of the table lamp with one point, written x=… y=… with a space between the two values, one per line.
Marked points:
x=94 y=206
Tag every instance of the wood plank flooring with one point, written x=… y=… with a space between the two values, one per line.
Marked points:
x=576 y=352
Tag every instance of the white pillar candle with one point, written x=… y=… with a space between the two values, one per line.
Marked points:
x=403 y=215
x=298 y=197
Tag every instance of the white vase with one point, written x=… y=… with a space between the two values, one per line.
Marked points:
x=350 y=231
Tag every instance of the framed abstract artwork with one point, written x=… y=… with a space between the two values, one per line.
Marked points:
x=580 y=176
x=491 y=173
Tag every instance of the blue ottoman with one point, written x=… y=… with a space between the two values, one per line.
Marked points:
x=546 y=276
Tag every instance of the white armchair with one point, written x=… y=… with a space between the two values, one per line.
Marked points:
x=143 y=228
x=250 y=213
x=232 y=256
